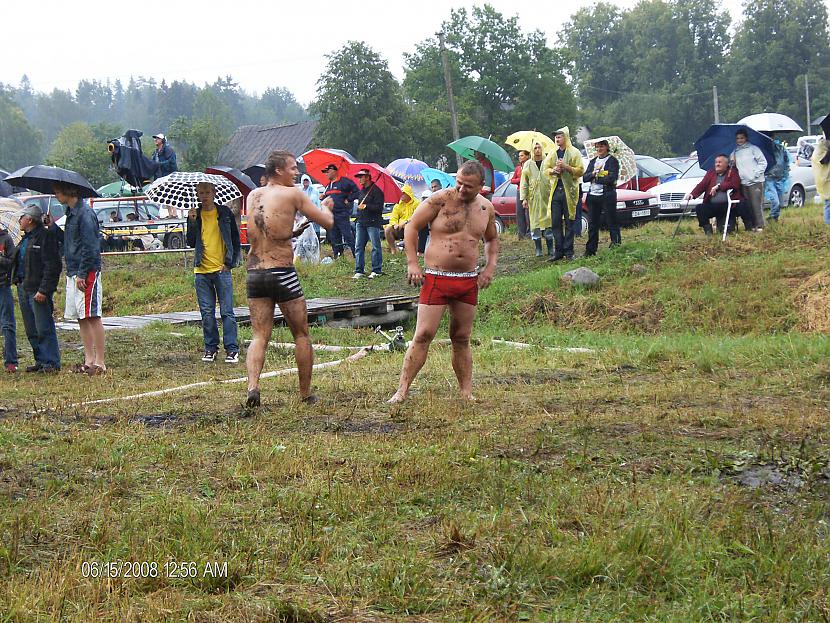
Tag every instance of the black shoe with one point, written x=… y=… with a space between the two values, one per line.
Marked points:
x=590 y=253
x=48 y=370
x=253 y=399
x=569 y=258
x=311 y=400
x=556 y=258
x=35 y=368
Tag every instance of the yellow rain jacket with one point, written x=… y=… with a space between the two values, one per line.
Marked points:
x=535 y=188
x=403 y=210
x=821 y=171
x=570 y=180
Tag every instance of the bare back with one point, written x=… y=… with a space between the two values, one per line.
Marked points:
x=456 y=228
x=271 y=212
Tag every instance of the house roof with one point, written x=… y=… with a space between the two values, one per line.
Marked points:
x=251 y=144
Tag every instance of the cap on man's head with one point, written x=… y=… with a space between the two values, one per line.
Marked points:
x=329 y=167
x=32 y=210
x=362 y=172
x=160 y=135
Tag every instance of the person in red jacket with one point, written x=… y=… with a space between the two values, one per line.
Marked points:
x=522 y=225
x=714 y=187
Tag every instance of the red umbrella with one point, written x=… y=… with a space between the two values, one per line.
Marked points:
x=380 y=177
x=317 y=159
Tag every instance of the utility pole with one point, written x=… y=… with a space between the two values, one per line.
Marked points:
x=807 y=95
x=450 y=98
x=715 y=100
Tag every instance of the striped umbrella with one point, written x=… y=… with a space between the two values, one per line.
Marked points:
x=409 y=171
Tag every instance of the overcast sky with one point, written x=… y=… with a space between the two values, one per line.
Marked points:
x=260 y=44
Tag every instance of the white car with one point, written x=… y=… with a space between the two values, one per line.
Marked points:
x=671 y=194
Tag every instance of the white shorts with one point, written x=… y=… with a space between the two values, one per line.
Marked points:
x=83 y=305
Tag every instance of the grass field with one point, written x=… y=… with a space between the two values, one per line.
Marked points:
x=680 y=472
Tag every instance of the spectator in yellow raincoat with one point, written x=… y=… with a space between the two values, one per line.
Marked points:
x=534 y=192
x=821 y=171
x=565 y=168
x=401 y=213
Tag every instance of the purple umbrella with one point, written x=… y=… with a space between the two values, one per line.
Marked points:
x=408 y=170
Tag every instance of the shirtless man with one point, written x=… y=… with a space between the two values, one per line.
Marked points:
x=272 y=279
x=458 y=218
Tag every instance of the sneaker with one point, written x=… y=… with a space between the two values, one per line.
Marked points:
x=358 y=276
x=209 y=356
x=11 y=368
x=232 y=357
x=253 y=399
x=373 y=274
x=48 y=370
x=34 y=368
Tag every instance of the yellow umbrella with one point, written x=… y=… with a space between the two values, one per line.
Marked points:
x=526 y=139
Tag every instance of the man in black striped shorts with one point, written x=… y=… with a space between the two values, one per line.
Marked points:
x=272 y=279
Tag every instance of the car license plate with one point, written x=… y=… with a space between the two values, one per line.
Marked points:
x=638 y=213
x=637 y=202
x=672 y=206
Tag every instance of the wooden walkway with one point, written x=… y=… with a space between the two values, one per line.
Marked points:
x=384 y=310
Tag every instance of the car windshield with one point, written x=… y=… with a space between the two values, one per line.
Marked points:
x=505 y=189
x=652 y=167
x=693 y=171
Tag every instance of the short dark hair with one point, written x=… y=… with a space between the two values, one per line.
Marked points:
x=472 y=167
x=722 y=156
x=524 y=151
x=742 y=132
x=602 y=141
x=277 y=160
x=66 y=189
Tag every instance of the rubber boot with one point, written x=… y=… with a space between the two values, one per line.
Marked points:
x=538 y=243
x=549 y=243
x=707 y=229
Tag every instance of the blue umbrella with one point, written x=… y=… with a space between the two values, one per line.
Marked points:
x=408 y=170
x=445 y=179
x=720 y=139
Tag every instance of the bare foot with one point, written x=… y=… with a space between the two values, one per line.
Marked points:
x=468 y=397
x=396 y=399
x=253 y=400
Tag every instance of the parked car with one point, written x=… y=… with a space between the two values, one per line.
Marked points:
x=650 y=173
x=138 y=217
x=48 y=204
x=634 y=207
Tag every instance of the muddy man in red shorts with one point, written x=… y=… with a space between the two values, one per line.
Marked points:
x=458 y=218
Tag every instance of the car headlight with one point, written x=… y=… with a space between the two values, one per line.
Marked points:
x=621 y=205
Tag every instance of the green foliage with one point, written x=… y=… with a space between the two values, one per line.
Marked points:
x=19 y=141
x=360 y=105
x=82 y=147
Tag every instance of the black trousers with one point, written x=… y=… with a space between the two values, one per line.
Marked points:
x=563 y=233
x=522 y=222
x=599 y=209
x=707 y=211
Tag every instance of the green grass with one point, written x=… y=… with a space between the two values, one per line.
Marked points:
x=607 y=486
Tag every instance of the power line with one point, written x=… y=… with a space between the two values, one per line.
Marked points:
x=588 y=86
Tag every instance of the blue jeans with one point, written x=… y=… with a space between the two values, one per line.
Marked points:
x=827 y=211
x=8 y=325
x=209 y=288
x=40 y=328
x=365 y=234
x=341 y=233
x=777 y=192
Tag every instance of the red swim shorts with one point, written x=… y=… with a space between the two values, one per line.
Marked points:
x=442 y=290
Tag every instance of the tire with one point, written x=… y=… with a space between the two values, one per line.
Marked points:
x=797 y=196
x=500 y=227
x=174 y=241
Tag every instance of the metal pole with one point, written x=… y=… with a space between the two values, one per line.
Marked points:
x=807 y=95
x=450 y=98
x=715 y=99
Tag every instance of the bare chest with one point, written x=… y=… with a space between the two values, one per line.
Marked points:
x=455 y=219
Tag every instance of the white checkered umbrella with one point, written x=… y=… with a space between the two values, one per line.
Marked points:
x=179 y=189
x=622 y=152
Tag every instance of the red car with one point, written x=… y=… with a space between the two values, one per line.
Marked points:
x=634 y=207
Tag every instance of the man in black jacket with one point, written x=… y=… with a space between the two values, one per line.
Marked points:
x=7 y=321
x=36 y=269
x=212 y=232
x=602 y=173
x=369 y=226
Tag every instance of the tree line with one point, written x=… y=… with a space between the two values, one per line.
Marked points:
x=645 y=74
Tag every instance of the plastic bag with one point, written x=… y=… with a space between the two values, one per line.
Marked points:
x=307 y=247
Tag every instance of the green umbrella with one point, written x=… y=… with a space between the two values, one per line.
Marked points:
x=494 y=152
x=120 y=189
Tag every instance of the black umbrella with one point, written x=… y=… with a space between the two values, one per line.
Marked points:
x=825 y=125
x=255 y=172
x=244 y=183
x=818 y=120
x=41 y=177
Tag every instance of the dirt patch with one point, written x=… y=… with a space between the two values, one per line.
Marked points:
x=353 y=426
x=812 y=299
x=536 y=377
